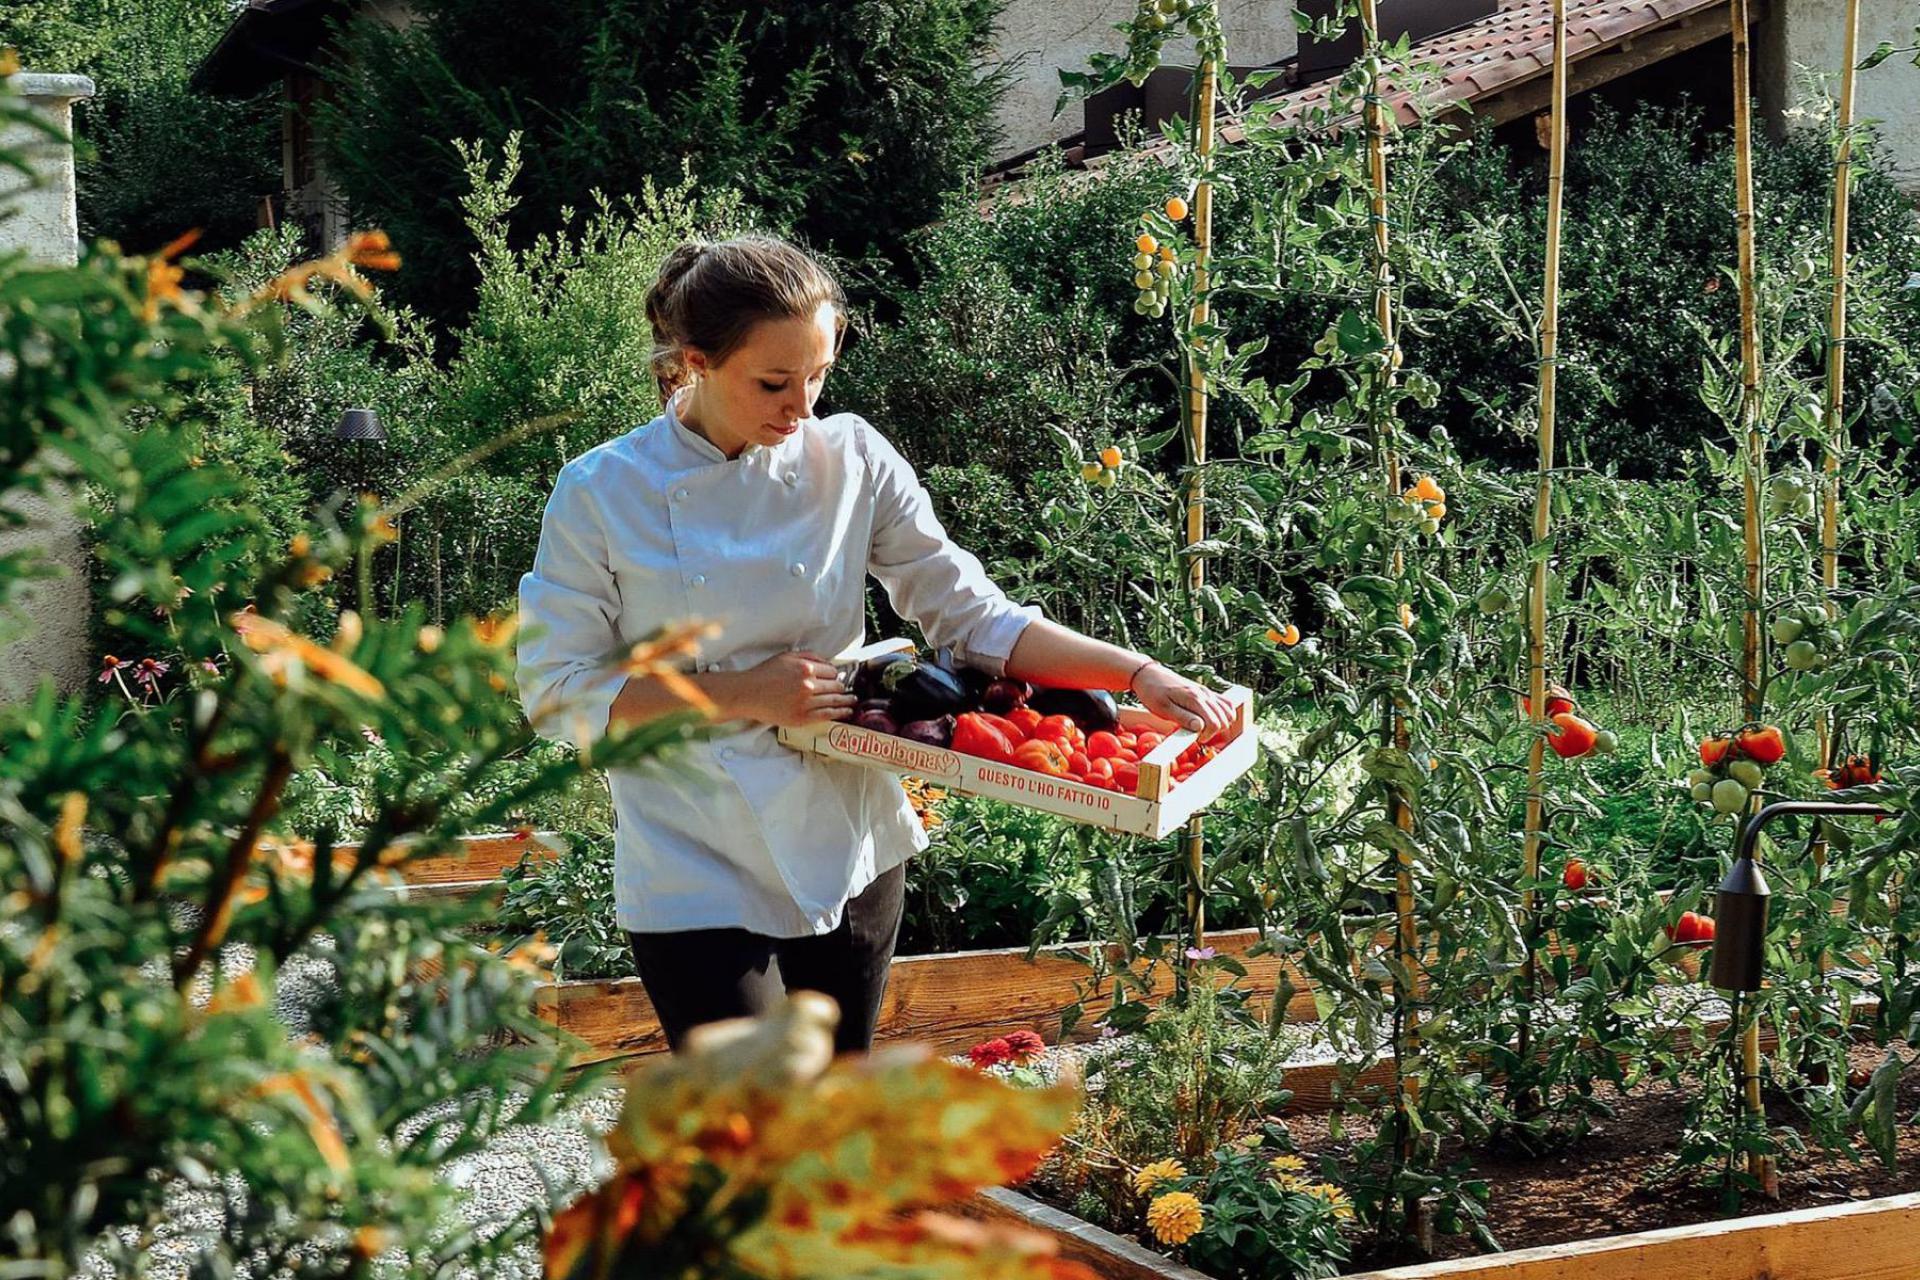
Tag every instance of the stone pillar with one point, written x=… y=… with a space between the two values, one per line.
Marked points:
x=1801 y=36
x=47 y=637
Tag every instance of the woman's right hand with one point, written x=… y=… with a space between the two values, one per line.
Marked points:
x=789 y=689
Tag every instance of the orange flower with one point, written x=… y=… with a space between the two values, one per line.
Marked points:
x=9 y=62
x=372 y=250
x=1286 y=637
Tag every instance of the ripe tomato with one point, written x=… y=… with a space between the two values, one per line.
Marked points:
x=1714 y=750
x=1102 y=769
x=1102 y=745
x=1764 y=745
x=1571 y=737
x=1041 y=756
x=1055 y=729
x=1026 y=718
x=974 y=736
x=1130 y=741
x=1575 y=875
x=1078 y=764
x=1126 y=776
x=1012 y=732
x=1691 y=929
x=1147 y=741
x=1559 y=702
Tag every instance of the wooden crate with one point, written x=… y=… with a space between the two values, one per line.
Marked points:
x=1864 y=1240
x=1157 y=808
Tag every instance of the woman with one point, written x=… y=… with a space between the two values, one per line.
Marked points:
x=737 y=506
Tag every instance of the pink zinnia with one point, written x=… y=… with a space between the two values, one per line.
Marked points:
x=1023 y=1047
x=990 y=1053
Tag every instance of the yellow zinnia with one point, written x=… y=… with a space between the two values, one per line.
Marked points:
x=1156 y=1173
x=1175 y=1217
x=1287 y=1164
x=1335 y=1199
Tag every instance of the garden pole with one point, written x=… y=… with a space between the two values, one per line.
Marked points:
x=1758 y=1164
x=1543 y=521
x=1836 y=435
x=1406 y=936
x=1197 y=440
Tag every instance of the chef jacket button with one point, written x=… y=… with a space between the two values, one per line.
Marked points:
x=680 y=494
x=726 y=753
x=791 y=478
x=799 y=569
x=698 y=580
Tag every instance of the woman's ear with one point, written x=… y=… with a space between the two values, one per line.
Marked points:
x=695 y=361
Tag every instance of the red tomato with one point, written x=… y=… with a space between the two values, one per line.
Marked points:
x=1041 y=756
x=1575 y=875
x=1764 y=745
x=1714 y=750
x=1128 y=740
x=1055 y=729
x=1013 y=732
x=1147 y=741
x=1126 y=776
x=1078 y=764
x=1026 y=718
x=1572 y=737
x=974 y=735
x=1102 y=745
x=1102 y=768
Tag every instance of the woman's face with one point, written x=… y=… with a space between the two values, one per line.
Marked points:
x=764 y=390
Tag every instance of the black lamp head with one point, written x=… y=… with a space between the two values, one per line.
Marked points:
x=1740 y=929
x=359 y=424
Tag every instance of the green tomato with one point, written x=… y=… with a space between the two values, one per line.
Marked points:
x=1747 y=773
x=1606 y=742
x=1142 y=261
x=1702 y=777
x=1702 y=792
x=1729 y=796
x=1143 y=304
x=1143 y=280
x=1802 y=656
x=1494 y=601
x=1786 y=630
x=1106 y=478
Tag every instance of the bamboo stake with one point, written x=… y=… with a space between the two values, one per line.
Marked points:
x=1197 y=441
x=1759 y=1165
x=1406 y=936
x=1836 y=441
x=1543 y=517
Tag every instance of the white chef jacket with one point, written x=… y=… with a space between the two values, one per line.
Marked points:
x=658 y=525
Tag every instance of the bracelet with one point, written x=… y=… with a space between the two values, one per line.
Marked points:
x=1150 y=662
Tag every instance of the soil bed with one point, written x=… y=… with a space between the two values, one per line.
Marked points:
x=1595 y=1189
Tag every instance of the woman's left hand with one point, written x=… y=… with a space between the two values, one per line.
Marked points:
x=1172 y=696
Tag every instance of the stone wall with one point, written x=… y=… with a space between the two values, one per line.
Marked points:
x=1047 y=35
x=43 y=222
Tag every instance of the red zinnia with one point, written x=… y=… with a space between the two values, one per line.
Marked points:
x=990 y=1053
x=1023 y=1047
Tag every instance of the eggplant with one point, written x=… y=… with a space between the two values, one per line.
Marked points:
x=867 y=676
x=972 y=679
x=937 y=732
x=876 y=719
x=1091 y=709
x=1004 y=695
x=873 y=704
x=918 y=690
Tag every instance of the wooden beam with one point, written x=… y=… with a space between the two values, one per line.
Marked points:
x=1592 y=70
x=1109 y=1256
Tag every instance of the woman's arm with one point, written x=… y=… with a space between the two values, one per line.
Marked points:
x=788 y=689
x=1048 y=653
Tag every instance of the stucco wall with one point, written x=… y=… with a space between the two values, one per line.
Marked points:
x=44 y=223
x=1809 y=34
x=1047 y=35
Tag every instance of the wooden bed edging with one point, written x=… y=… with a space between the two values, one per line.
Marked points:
x=950 y=1000
x=1862 y=1240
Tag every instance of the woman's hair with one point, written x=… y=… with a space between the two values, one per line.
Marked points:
x=710 y=293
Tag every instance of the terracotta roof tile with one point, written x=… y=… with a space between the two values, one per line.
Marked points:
x=1512 y=46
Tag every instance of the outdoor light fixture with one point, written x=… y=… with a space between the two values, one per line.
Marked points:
x=359 y=424
x=1740 y=928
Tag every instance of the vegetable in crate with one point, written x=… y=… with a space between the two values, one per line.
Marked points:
x=937 y=732
x=1091 y=709
x=916 y=690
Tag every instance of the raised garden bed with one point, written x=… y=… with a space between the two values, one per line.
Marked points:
x=1837 y=1219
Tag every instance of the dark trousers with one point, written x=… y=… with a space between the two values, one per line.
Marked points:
x=704 y=975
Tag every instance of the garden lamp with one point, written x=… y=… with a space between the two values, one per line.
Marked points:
x=1740 y=928
x=359 y=424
